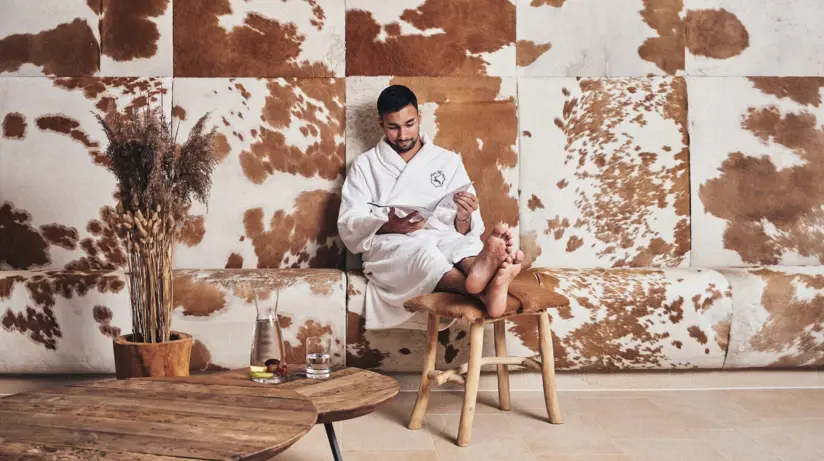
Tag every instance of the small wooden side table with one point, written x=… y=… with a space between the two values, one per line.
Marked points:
x=347 y=394
x=152 y=420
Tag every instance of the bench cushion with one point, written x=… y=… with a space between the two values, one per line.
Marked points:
x=617 y=319
x=777 y=317
x=64 y=321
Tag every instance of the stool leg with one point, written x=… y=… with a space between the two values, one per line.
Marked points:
x=503 y=370
x=553 y=408
x=419 y=411
x=473 y=378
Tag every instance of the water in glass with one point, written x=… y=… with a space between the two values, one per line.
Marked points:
x=319 y=356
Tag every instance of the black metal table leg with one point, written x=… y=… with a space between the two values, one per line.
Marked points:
x=333 y=442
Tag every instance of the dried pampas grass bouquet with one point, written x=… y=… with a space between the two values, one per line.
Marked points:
x=157 y=181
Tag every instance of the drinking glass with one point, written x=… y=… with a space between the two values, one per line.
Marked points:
x=319 y=356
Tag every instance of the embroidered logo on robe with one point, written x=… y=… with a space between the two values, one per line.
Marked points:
x=438 y=178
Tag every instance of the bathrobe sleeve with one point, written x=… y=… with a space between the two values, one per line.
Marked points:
x=357 y=223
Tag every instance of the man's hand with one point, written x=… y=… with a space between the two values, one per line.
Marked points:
x=398 y=225
x=467 y=204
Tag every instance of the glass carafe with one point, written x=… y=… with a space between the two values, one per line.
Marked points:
x=267 y=363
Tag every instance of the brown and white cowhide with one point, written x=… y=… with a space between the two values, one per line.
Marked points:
x=61 y=321
x=778 y=317
x=618 y=319
x=593 y=38
x=430 y=37
x=757 y=170
x=49 y=37
x=276 y=191
x=259 y=38
x=754 y=38
x=638 y=318
x=136 y=38
x=56 y=195
x=64 y=321
x=604 y=172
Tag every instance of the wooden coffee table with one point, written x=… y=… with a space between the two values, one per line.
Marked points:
x=153 y=420
x=348 y=393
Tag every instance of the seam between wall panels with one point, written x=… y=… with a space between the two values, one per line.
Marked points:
x=689 y=167
x=518 y=140
x=100 y=35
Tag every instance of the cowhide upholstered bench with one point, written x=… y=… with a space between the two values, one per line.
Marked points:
x=526 y=297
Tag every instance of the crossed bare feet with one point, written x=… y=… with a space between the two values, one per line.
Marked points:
x=494 y=269
x=493 y=254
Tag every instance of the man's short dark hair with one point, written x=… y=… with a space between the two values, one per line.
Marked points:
x=395 y=98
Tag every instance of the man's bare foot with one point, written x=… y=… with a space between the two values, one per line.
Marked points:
x=509 y=239
x=494 y=297
x=494 y=252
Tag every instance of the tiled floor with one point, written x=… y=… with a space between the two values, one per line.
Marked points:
x=693 y=425
x=637 y=416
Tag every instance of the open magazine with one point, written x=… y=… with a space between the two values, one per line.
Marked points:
x=425 y=212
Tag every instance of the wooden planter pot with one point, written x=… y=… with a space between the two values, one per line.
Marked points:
x=144 y=360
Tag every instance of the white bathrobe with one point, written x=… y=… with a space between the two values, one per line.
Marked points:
x=400 y=267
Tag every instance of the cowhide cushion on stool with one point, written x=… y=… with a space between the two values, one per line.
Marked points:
x=526 y=296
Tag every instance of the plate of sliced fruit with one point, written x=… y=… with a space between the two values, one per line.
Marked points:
x=273 y=371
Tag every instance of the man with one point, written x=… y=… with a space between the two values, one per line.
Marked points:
x=404 y=255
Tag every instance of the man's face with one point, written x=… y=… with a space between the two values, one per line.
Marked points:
x=402 y=128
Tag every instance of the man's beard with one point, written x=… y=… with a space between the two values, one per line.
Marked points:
x=401 y=149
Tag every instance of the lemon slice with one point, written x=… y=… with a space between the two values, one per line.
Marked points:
x=262 y=374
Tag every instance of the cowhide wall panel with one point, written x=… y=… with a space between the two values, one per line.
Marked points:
x=56 y=195
x=49 y=37
x=757 y=170
x=259 y=38
x=276 y=191
x=136 y=38
x=64 y=321
x=778 y=317
x=604 y=172
x=755 y=38
x=430 y=37
x=593 y=38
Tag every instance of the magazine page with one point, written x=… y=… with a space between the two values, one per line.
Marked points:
x=427 y=211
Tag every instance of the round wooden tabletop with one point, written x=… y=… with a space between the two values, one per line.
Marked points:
x=348 y=393
x=153 y=420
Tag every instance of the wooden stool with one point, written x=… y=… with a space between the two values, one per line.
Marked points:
x=526 y=297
